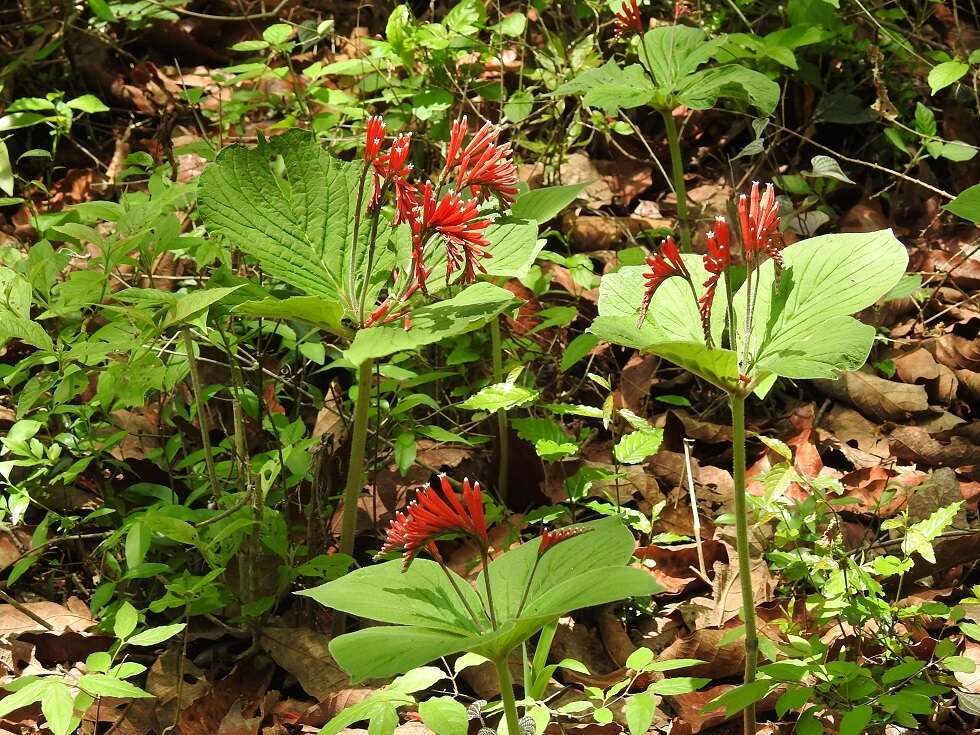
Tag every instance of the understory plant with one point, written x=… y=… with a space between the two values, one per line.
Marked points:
x=741 y=326
x=382 y=260
x=673 y=72
x=431 y=611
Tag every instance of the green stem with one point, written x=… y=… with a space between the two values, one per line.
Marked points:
x=202 y=417
x=737 y=402
x=503 y=437
x=352 y=264
x=507 y=695
x=486 y=584
x=677 y=169
x=527 y=588
x=355 y=472
x=372 y=240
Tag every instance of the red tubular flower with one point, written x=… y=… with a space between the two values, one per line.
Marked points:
x=435 y=511
x=681 y=8
x=628 y=18
x=481 y=165
x=758 y=219
x=666 y=264
x=460 y=226
x=550 y=539
x=392 y=167
x=716 y=262
x=373 y=138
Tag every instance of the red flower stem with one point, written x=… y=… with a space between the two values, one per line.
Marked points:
x=527 y=588
x=459 y=593
x=352 y=270
x=372 y=241
x=730 y=313
x=486 y=584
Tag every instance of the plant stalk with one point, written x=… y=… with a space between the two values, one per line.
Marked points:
x=540 y=660
x=202 y=418
x=355 y=472
x=737 y=402
x=503 y=433
x=677 y=169
x=507 y=695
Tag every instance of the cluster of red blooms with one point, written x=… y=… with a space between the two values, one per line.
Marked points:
x=628 y=18
x=436 y=511
x=481 y=167
x=758 y=229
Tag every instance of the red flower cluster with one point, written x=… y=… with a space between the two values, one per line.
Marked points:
x=628 y=18
x=666 y=264
x=550 y=539
x=435 y=511
x=716 y=262
x=481 y=165
x=459 y=224
x=758 y=220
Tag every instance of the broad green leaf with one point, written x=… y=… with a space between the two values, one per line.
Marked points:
x=856 y=720
x=674 y=52
x=27 y=694
x=323 y=313
x=608 y=543
x=594 y=587
x=383 y=651
x=58 y=706
x=673 y=314
x=541 y=205
x=6 y=171
x=514 y=245
x=468 y=310
x=297 y=220
x=804 y=330
x=126 y=620
x=827 y=167
x=678 y=685
x=636 y=446
x=967 y=204
x=639 y=713
x=610 y=87
x=702 y=89
x=88 y=103
x=189 y=307
x=919 y=536
x=421 y=596
x=366 y=709
x=154 y=636
x=737 y=699
x=945 y=74
x=444 y=716
x=499 y=397
x=103 y=685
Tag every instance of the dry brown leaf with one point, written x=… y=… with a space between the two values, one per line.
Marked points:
x=876 y=397
x=673 y=566
x=626 y=179
x=868 y=485
x=588 y=233
x=73 y=616
x=916 y=444
x=304 y=653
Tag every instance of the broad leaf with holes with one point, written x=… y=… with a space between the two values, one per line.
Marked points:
x=426 y=619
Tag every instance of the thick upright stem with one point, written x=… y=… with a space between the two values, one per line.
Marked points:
x=202 y=416
x=677 y=169
x=503 y=438
x=507 y=695
x=372 y=241
x=355 y=471
x=737 y=402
